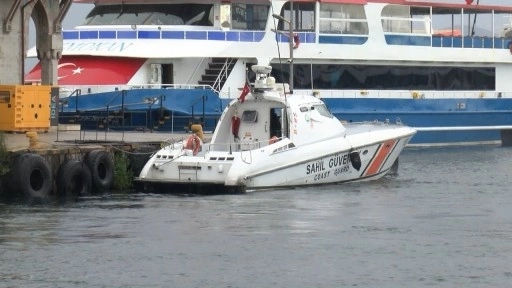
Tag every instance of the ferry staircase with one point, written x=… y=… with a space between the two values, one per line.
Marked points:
x=217 y=72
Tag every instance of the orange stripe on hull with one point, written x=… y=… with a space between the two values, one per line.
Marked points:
x=378 y=160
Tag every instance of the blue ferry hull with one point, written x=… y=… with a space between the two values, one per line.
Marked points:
x=420 y=113
x=153 y=109
x=176 y=109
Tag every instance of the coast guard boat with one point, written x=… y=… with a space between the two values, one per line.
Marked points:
x=442 y=68
x=269 y=138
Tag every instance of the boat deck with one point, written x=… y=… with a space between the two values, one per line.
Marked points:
x=360 y=127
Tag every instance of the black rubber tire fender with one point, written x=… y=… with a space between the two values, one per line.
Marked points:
x=101 y=167
x=33 y=176
x=73 y=179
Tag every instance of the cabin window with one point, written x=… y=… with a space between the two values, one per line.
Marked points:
x=303 y=18
x=249 y=16
x=406 y=19
x=275 y=122
x=343 y=19
x=322 y=110
x=157 y=14
x=250 y=116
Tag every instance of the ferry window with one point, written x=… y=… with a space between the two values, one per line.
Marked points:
x=406 y=19
x=322 y=110
x=343 y=19
x=249 y=16
x=250 y=116
x=303 y=18
x=328 y=76
x=160 y=14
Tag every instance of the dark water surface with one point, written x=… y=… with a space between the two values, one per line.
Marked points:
x=444 y=221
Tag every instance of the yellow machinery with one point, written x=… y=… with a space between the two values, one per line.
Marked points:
x=25 y=108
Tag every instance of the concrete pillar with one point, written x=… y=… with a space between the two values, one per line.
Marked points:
x=49 y=51
x=47 y=15
x=15 y=16
x=11 y=55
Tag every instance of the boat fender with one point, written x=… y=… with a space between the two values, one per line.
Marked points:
x=193 y=143
x=32 y=175
x=101 y=167
x=296 y=40
x=73 y=179
x=355 y=160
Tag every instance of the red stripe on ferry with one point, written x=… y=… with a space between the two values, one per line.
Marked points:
x=88 y=70
x=381 y=155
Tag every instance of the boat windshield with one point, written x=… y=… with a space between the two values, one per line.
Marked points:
x=161 y=14
x=322 y=110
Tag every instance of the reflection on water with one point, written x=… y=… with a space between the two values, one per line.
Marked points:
x=444 y=221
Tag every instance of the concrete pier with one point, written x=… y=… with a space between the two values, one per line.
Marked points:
x=36 y=159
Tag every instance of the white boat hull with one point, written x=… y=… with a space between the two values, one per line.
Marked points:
x=277 y=165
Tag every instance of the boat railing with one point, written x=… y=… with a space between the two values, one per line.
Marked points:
x=241 y=146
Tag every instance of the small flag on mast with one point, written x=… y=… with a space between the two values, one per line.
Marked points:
x=245 y=91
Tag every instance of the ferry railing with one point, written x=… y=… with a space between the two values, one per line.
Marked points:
x=115 y=121
x=407 y=94
x=196 y=70
x=70 y=90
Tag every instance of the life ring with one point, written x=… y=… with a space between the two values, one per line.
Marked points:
x=32 y=175
x=101 y=167
x=296 y=40
x=273 y=140
x=193 y=143
x=73 y=179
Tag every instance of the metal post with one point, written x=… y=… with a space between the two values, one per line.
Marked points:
x=290 y=41
x=106 y=122
x=123 y=92
x=204 y=120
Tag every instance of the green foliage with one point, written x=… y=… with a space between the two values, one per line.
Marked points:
x=123 y=175
x=4 y=156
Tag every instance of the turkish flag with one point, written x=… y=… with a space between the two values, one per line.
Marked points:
x=245 y=91
x=91 y=70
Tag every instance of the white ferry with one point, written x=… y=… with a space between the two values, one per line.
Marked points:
x=442 y=68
